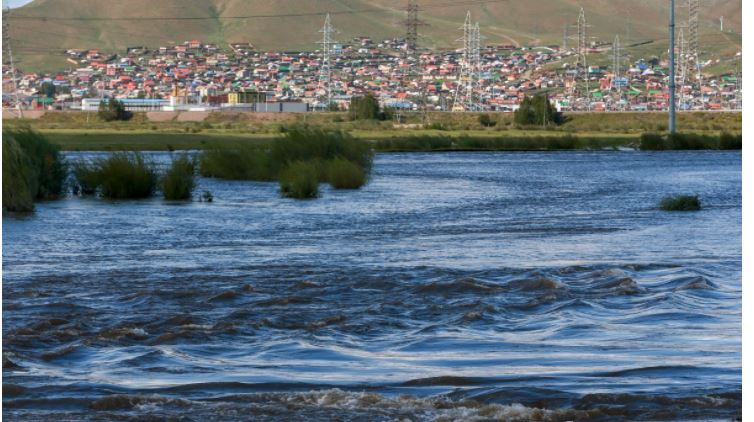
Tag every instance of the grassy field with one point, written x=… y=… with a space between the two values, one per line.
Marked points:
x=434 y=131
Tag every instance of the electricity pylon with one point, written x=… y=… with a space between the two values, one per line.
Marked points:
x=328 y=51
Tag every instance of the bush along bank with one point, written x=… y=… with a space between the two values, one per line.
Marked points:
x=33 y=169
x=302 y=158
x=690 y=141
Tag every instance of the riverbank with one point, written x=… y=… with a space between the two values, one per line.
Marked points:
x=161 y=131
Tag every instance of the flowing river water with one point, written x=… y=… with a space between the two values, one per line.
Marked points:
x=455 y=286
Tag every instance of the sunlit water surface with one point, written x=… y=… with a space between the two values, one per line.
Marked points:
x=512 y=286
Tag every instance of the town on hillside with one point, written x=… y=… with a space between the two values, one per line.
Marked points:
x=200 y=76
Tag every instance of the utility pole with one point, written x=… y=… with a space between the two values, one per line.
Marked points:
x=325 y=70
x=9 y=52
x=671 y=79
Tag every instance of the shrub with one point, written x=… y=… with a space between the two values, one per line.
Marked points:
x=537 y=111
x=241 y=162
x=35 y=169
x=126 y=175
x=562 y=142
x=178 y=182
x=689 y=141
x=300 y=180
x=364 y=108
x=681 y=203
x=729 y=141
x=486 y=121
x=113 y=110
x=652 y=142
x=343 y=174
x=19 y=182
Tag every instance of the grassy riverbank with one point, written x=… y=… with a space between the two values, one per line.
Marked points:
x=410 y=132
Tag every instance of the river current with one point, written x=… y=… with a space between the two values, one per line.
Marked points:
x=454 y=286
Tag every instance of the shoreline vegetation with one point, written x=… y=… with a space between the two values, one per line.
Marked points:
x=301 y=155
x=402 y=133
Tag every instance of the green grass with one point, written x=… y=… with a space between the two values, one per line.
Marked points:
x=33 y=167
x=681 y=203
x=300 y=180
x=179 y=181
x=344 y=174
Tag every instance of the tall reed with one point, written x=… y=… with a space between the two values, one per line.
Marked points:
x=179 y=182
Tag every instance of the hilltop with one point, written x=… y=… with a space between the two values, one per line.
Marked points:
x=294 y=24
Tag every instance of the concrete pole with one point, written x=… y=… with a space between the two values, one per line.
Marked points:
x=671 y=99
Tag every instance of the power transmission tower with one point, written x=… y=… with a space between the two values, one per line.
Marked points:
x=671 y=77
x=465 y=98
x=682 y=65
x=582 y=50
x=328 y=51
x=8 y=52
x=565 y=37
x=693 y=38
x=412 y=27
x=616 y=67
x=616 y=57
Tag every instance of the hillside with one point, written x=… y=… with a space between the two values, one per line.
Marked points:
x=43 y=28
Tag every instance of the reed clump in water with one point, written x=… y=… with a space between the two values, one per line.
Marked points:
x=123 y=175
x=32 y=170
x=238 y=162
x=179 y=181
x=307 y=143
x=681 y=203
x=320 y=154
x=344 y=174
x=300 y=180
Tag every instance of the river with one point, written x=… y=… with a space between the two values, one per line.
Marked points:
x=454 y=286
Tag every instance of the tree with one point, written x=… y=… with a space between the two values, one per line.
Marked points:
x=486 y=121
x=113 y=110
x=537 y=111
x=48 y=89
x=364 y=108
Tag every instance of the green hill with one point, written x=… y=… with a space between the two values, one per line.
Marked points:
x=43 y=28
